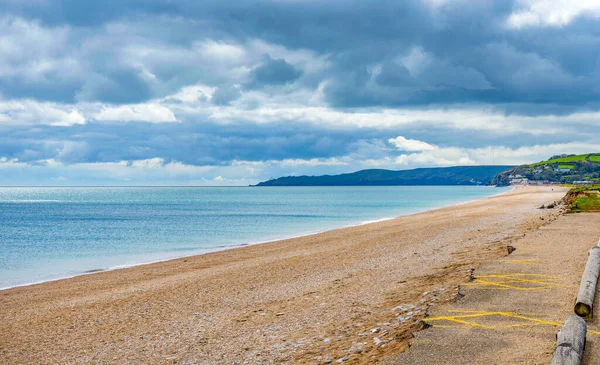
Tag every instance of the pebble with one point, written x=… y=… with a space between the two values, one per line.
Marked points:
x=327 y=340
x=375 y=330
x=376 y=340
x=328 y=361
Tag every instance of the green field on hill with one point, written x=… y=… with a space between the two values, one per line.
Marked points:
x=576 y=158
x=594 y=158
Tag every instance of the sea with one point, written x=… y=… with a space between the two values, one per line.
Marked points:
x=48 y=233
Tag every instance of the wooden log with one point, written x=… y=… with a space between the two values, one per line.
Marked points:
x=587 y=288
x=570 y=342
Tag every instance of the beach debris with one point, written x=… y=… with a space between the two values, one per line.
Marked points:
x=570 y=342
x=589 y=280
x=279 y=314
x=542 y=207
x=459 y=295
x=510 y=249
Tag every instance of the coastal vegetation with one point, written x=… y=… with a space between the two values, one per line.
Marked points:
x=582 y=199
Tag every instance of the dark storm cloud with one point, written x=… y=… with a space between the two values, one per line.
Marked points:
x=468 y=54
x=273 y=72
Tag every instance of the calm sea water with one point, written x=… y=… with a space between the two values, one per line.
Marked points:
x=49 y=233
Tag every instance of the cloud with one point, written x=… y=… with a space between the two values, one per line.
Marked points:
x=451 y=156
x=291 y=87
x=410 y=145
x=151 y=113
x=224 y=95
x=274 y=72
x=31 y=112
x=551 y=12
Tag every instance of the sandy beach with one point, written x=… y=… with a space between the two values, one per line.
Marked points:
x=329 y=297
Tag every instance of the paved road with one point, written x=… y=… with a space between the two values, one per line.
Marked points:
x=511 y=311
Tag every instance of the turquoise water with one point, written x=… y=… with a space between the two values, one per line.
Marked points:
x=50 y=233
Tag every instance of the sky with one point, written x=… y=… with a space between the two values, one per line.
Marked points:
x=216 y=92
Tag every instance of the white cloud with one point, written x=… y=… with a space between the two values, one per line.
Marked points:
x=33 y=112
x=31 y=51
x=294 y=162
x=492 y=155
x=192 y=94
x=150 y=112
x=221 y=51
x=551 y=12
x=411 y=145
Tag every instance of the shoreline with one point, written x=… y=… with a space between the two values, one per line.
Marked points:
x=305 y=300
x=235 y=246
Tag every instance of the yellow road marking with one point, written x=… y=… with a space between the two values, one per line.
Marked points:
x=511 y=281
x=460 y=319
x=523 y=262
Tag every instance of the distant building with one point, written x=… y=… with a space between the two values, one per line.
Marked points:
x=523 y=181
x=583 y=182
x=538 y=170
x=517 y=176
x=562 y=170
x=540 y=182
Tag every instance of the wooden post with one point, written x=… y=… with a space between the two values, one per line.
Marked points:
x=570 y=342
x=587 y=288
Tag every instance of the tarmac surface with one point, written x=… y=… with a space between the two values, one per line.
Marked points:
x=513 y=307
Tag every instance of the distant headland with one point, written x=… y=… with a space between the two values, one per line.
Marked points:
x=457 y=175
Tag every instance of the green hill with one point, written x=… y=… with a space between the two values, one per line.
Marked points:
x=459 y=175
x=561 y=169
x=593 y=157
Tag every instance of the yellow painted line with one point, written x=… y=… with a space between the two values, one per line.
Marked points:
x=506 y=286
x=460 y=319
x=523 y=262
x=516 y=276
x=509 y=281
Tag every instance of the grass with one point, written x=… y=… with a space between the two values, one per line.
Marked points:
x=565 y=166
x=578 y=158
x=591 y=201
x=584 y=198
x=594 y=158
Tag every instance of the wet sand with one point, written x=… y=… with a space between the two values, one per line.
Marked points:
x=330 y=296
